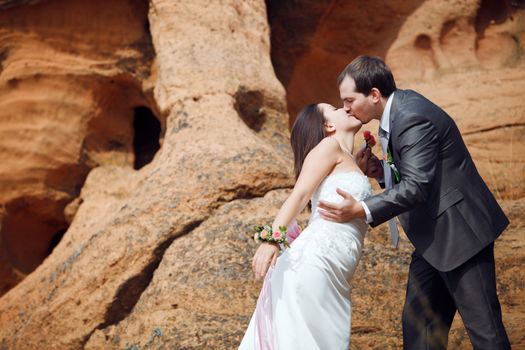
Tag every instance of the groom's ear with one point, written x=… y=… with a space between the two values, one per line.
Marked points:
x=375 y=94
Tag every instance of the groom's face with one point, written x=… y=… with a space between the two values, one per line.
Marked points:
x=356 y=103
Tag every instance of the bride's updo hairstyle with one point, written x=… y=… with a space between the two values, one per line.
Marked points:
x=307 y=131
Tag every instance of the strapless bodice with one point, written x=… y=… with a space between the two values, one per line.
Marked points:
x=350 y=181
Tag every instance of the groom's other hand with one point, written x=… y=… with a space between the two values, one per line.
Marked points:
x=344 y=211
x=369 y=164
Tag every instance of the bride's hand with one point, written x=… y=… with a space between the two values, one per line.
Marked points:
x=265 y=255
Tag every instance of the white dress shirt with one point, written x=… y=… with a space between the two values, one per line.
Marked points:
x=384 y=124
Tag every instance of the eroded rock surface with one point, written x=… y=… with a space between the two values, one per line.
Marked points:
x=210 y=156
x=71 y=74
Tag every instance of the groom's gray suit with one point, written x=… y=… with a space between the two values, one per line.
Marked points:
x=452 y=219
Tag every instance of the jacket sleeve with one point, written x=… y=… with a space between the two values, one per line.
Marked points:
x=416 y=141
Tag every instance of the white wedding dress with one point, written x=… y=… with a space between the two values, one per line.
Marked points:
x=305 y=301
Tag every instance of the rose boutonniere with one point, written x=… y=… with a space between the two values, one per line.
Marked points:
x=390 y=161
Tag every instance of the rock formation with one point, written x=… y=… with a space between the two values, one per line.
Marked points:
x=70 y=86
x=141 y=141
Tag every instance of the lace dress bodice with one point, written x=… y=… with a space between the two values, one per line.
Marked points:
x=351 y=182
x=332 y=240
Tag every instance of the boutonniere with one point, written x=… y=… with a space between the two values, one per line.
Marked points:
x=390 y=161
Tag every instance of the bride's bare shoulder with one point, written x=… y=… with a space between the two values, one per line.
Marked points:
x=327 y=149
x=328 y=144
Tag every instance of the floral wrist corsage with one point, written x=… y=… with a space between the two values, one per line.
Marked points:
x=264 y=234
x=283 y=237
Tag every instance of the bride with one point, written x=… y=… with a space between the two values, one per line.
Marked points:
x=305 y=300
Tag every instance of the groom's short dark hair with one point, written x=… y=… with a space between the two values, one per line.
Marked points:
x=369 y=72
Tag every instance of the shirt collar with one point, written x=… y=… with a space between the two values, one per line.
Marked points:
x=384 y=123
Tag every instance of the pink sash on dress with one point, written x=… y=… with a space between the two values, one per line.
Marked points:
x=293 y=231
x=264 y=337
x=264 y=334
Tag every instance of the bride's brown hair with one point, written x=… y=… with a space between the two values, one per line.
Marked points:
x=307 y=131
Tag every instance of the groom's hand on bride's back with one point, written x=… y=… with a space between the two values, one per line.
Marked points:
x=369 y=164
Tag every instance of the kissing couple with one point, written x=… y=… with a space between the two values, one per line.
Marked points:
x=431 y=184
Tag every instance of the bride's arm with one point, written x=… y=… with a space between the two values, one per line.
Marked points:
x=317 y=165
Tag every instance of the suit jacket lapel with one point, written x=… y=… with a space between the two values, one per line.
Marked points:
x=396 y=104
x=398 y=96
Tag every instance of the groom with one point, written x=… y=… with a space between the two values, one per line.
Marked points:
x=445 y=208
